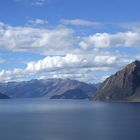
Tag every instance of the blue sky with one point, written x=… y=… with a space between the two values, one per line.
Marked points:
x=86 y=40
x=19 y=11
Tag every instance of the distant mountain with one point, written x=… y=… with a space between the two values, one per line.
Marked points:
x=97 y=85
x=72 y=94
x=46 y=88
x=2 y=96
x=123 y=85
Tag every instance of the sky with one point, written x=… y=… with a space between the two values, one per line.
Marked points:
x=86 y=40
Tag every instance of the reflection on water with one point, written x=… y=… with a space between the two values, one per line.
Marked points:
x=41 y=119
x=35 y=105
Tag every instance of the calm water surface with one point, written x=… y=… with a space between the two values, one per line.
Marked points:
x=41 y=119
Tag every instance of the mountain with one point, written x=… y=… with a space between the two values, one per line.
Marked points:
x=97 y=85
x=45 y=88
x=2 y=96
x=72 y=94
x=123 y=85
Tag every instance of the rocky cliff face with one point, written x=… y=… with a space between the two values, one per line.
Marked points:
x=125 y=84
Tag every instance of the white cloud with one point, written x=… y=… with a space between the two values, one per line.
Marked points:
x=135 y=26
x=106 y=40
x=59 y=40
x=88 y=75
x=71 y=61
x=67 y=54
x=80 y=22
x=34 y=2
x=38 y=2
x=37 y=22
x=15 y=74
x=82 y=67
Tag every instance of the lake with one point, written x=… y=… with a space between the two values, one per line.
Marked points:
x=42 y=119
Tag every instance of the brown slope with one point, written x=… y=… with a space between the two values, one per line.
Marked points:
x=125 y=84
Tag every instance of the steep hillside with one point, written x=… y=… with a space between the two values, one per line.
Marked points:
x=125 y=84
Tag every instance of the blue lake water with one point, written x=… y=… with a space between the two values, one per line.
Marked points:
x=42 y=119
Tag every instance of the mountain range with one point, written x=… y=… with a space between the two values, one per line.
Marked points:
x=48 y=88
x=123 y=85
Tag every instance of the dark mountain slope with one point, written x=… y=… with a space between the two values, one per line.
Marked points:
x=72 y=94
x=2 y=96
x=125 y=84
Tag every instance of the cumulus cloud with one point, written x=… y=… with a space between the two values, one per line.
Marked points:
x=58 y=40
x=106 y=40
x=83 y=74
x=80 y=22
x=71 y=61
x=66 y=54
x=15 y=74
x=76 y=66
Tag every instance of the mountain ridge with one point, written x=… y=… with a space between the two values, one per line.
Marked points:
x=44 y=88
x=123 y=85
